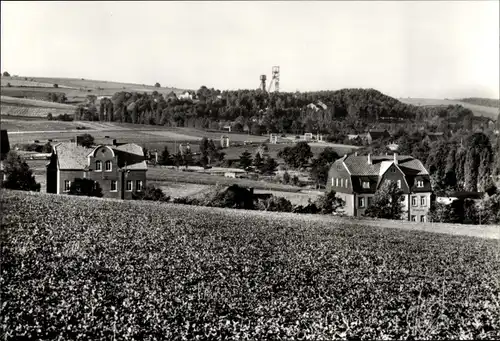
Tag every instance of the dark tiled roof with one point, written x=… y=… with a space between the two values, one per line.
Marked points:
x=378 y=133
x=358 y=165
x=72 y=156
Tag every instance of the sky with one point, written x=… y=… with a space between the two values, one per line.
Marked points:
x=423 y=49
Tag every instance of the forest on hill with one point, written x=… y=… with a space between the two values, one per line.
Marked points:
x=327 y=112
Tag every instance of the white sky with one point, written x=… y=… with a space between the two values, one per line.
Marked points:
x=404 y=49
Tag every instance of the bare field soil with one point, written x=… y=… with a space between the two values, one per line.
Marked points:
x=478 y=110
x=27 y=111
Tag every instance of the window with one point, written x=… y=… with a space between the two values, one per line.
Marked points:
x=399 y=183
x=361 y=202
x=346 y=183
x=67 y=185
x=98 y=166
x=420 y=184
x=413 y=218
x=138 y=185
x=422 y=201
x=370 y=199
x=366 y=184
x=333 y=181
x=422 y=219
x=341 y=182
x=337 y=182
x=414 y=201
x=107 y=166
x=393 y=170
x=129 y=185
x=113 y=186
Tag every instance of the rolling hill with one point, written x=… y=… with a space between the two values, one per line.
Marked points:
x=75 y=89
x=478 y=110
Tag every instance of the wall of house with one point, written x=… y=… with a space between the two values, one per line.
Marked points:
x=338 y=171
x=51 y=175
x=360 y=211
x=69 y=175
x=395 y=174
x=349 y=203
x=419 y=210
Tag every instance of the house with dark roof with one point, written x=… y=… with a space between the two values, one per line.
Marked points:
x=433 y=137
x=120 y=169
x=355 y=179
x=377 y=134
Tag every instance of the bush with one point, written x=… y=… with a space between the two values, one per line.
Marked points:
x=19 y=175
x=151 y=193
x=85 y=187
x=275 y=204
x=49 y=116
x=329 y=203
x=6 y=74
x=56 y=85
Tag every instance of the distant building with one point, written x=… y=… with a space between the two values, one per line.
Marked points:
x=433 y=137
x=377 y=134
x=224 y=141
x=119 y=169
x=355 y=179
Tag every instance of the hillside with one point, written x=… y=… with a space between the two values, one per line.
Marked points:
x=478 y=108
x=75 y=89
x=79 y=267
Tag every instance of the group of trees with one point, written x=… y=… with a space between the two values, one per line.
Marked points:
x=327 y=112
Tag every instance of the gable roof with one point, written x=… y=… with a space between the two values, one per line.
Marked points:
x=359 y=166
x=378 y=133
x=75 y=157
x=71 y=156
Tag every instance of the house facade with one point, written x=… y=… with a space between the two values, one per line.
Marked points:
x=377 y=134
x=120 y=169
x=355 y=179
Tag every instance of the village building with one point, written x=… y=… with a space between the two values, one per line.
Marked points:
x=120 y=169
x=377 y=134
x=355 y=179
x=433 y=137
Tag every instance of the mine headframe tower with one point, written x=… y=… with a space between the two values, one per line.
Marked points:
x=274 y=80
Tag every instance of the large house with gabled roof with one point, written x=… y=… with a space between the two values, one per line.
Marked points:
x=355 y=179
x=120 y=169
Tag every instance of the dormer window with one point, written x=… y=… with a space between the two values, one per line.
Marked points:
x=98 y=166
x=420 y=183
x=366 y=184
x=107 y=166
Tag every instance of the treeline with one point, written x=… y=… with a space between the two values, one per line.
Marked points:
x=462 y=161
x=326 y=112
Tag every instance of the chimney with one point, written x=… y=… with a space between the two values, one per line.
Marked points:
x=396 y=158
x=355 y=153
x=114 y=142
x=370 y=159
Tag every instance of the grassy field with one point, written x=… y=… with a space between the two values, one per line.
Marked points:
x=75 y=89
x=158 y=175
x=478 y=110
x=35 y=103
x=81 y=268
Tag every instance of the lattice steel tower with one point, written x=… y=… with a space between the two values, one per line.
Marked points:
x=275 y=79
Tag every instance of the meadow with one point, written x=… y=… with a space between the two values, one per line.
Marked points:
x=81 y=268
x=75 y=89
x=478 y=110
